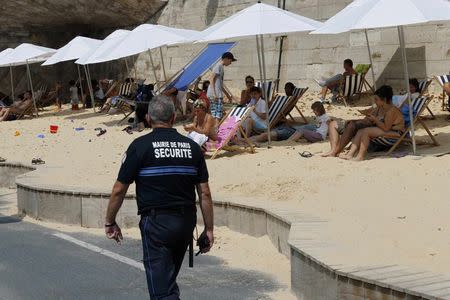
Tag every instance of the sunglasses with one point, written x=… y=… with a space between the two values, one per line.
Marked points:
x=249 y=82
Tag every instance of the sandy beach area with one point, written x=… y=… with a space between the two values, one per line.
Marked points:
x=386 y=209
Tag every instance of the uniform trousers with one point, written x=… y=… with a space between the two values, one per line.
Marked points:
x=166 y=234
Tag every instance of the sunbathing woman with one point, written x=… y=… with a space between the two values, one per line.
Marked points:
x=391 y=124
x=204 y=126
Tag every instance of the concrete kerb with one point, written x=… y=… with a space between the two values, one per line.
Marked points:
x=311 y=277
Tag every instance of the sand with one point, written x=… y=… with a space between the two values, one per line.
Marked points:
x=385 y=209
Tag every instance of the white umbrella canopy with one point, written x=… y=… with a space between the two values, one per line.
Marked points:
x=258 y=19
x=97 y=54
x=368 y=14
x=75 y=49
x=146 y=37
x=26 y=54
x=5 y=52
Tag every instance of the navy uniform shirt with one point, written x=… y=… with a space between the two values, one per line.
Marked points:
x=166 y=167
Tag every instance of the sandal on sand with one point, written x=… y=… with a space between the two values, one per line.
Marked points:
x=98 y=129
x=306 y=154
x=37 y=161
x=2 y=159
x=102 y=132
x=128 y=129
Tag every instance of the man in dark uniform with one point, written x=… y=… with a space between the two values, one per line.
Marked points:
x=167 y=168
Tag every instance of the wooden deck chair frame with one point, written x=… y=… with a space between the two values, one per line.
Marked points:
x=342 y=96
x=241 y=130
x=297 y=95
x=442 y=80
x=417 y=119
x=365 y=84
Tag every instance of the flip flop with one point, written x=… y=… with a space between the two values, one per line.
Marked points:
x=306 y=154
x=2 y=159
x=37 y=161
x=98 y=129
x=128 y=129
x=102 y=132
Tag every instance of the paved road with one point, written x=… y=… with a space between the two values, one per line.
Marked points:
x=36 y=264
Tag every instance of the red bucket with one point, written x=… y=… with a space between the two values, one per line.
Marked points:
x=53 y=128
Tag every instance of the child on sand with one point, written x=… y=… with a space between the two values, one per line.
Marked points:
x=74 y=99
x=314 y=132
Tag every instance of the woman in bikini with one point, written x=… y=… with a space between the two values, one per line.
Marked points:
x=204 y=126
x=390 y=124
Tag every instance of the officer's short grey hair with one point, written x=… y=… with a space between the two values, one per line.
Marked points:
x=161 y=109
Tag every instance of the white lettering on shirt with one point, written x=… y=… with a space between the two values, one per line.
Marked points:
x=172 y=150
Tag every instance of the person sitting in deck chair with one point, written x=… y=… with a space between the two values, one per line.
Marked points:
x=245 y=94
x=114 y=100
x=392 y=124
x=399 y=100
x=203 y=127
x=17 y=108
x=335 y=82
x=257 y=120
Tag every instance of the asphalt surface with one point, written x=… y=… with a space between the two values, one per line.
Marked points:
x=35 y=264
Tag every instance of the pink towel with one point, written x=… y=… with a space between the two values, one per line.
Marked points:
x=226 y=130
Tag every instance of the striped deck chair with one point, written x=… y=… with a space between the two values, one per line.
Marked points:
x=442 y=80
x=419 y=105
x=267 y=88
x=278 y=109
x=228 y=128
x=125 y=103
x=352 y=85
x=297 y=95
x=423 y=90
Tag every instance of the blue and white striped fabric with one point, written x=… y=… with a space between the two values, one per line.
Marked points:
x=277 y=107
x=443 y=79
x=266 y=87
x=423 y=86
x=168 y=170
x=352 y=85
x=239 y=112
x=298 y=92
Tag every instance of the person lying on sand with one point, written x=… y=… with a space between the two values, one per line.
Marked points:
x=311 y=132
x=314 y=132
x=391 y=124
x=204 y=126
x=17 y=108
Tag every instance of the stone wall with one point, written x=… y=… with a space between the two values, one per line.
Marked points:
x=308 y=57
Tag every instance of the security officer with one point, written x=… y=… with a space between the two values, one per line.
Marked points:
x=167 y=168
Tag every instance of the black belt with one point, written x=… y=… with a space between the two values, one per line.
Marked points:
x=168 y=210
